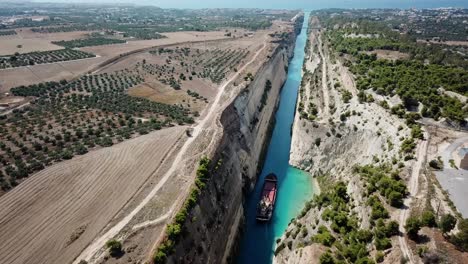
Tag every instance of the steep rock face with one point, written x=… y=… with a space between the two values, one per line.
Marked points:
x=212 y=232
x=331 y=134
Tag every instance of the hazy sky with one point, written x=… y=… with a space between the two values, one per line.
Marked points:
x=291 y=4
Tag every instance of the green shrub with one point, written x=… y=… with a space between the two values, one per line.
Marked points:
x=346 y=96
x=392 y=229
x=412 y=226
x=115 y=247
x=173 y=231
x=365 y=260
x=279 y=248
x=428 y=219
x=422 y=250
x=159 y=257
x=461 y=238
x=382 y=243
x=324 y=236
x=379 y=257
x=447 y=223
x=327 y=258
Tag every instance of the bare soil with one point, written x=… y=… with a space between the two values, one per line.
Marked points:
x=449 y=43
x=42 y=214
x=57 y=214
x=155 y=91
x=389 y=54
x=68 y=70
x=31 y=41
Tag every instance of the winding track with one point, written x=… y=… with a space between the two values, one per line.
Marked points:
x=413 y=190
x=215 y=108
x=326 y=96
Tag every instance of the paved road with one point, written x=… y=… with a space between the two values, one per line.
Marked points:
x=456 y=183
x=453 y=180
x=447 y=154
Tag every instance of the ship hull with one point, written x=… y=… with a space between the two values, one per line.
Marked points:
x=267 y=200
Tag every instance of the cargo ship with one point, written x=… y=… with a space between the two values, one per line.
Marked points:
x=267 y=198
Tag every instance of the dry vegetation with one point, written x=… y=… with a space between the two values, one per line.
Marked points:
x=80 y=136
x=13 y=77
x=65 y=119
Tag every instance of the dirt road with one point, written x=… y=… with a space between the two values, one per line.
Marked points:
x=208 y=120
x=413 y=190
x=326 y=96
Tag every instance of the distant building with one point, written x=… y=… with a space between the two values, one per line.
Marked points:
x=463 y=153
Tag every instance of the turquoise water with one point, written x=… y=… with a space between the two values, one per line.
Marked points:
x=295 y=186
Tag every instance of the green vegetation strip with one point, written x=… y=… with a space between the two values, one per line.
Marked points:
x=78 y=43
x=176 y=228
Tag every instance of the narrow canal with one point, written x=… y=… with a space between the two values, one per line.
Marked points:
x=294 y=186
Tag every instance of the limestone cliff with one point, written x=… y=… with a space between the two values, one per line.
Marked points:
x=212 y=232
x=333 y=131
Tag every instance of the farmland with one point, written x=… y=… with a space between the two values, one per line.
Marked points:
x=7 y=32
x=41 y=57
x=96 y=129
x=12 y=77
x=69 y=118
x=107 y=178
x=95 y=41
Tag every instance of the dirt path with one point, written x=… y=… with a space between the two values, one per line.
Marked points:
x=326 y=96
x=413 y=190
x=214 y=109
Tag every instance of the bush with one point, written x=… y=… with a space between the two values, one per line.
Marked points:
x=382 y=243
x=422 y=250
x=318 y=141
x=379 y=257
x=173 y=231
x=279 y=248
x=365 y=260
x=435 y=164
x=412 y=226
x=378 y=210
x=447 y=223
x=115 y=247
x=428 y=219
x=346 y=96
x=392 y=229
x=159 y=257
x=327 y=258
x=324 y=236
x=461 y=238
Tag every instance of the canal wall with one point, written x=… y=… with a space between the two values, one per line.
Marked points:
x=332 y=133
x=211 y=235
